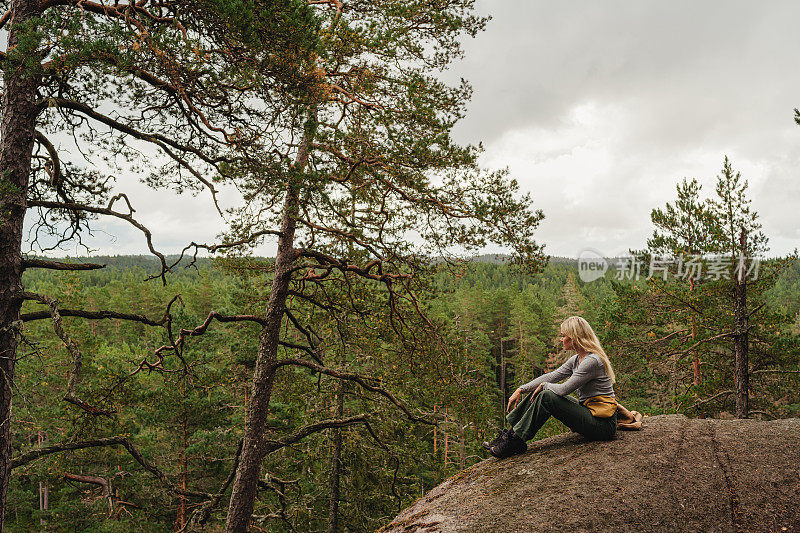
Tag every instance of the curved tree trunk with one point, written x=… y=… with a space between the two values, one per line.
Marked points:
x=254 y=449
x=17 y=131
x=245 y=484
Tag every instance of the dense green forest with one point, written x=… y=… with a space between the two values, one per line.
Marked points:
x=491 y=319
x=326 y=387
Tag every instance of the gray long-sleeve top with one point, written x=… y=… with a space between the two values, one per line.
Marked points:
x=587 y=377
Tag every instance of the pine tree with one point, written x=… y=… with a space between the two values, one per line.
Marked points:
x=365 y=157
x=683 y=232
x=173 y=78
x=738 y=233
x=703 y=304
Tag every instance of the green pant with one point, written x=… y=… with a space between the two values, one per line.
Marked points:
x=529 y=416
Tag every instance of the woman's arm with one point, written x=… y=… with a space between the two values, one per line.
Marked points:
x=590 y=368
x=558 y=374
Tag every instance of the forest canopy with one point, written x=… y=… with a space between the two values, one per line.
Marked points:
x=330 y=384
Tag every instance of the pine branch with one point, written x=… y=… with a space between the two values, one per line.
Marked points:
x=168 y=146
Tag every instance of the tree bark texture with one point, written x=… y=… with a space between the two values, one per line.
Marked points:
x=245 y=484
x=336 y=463
x=254 y=447
x=740 y=339
x=17 y=132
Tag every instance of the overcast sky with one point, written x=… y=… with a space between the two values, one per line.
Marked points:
x=599 y=109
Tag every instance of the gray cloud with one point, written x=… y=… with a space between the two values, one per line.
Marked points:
x=600 y=108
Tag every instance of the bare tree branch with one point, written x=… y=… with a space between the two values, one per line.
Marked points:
x=698 y=343
x=314 y=348
x=56 y=176
x=55 y=265
x=177 y=345
x=94 y=315
x=310 y=429
x=213 y=248
x=105 y=485
x=361 y=380
x=77 y=358
x=707 y=400
x=203 y=513
x=32 y=455
x=108 y=210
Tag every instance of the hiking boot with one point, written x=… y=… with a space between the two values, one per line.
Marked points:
x=500 y=437
x=511 y=445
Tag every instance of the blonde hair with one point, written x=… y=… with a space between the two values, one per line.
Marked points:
x=584 y=339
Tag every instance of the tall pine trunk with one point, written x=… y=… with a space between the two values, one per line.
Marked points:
x=740 y=338
x=336 y=464
x=696 y=370
x=245 y=483
x=17 y=132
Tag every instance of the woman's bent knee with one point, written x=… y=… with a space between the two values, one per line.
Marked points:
x=547 y=397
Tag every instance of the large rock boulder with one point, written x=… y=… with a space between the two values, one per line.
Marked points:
x=677 y=474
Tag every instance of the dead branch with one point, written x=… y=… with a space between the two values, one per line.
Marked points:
x=77 y=358
x=28 y=457
x=176 y=346
x=102 y=482
x=316 y=427
x=314 y=346
x=707 y=400
x=278 y=486
x=56 y=176
x=756 y=309
x=108 y=210
x=203 y=513
x=108 y=441
x=55 y=265
x=94 y=315
x=361 y=380
x=213 y=248
x=698 y=343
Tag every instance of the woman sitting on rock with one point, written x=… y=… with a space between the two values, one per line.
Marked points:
x=589 y=372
